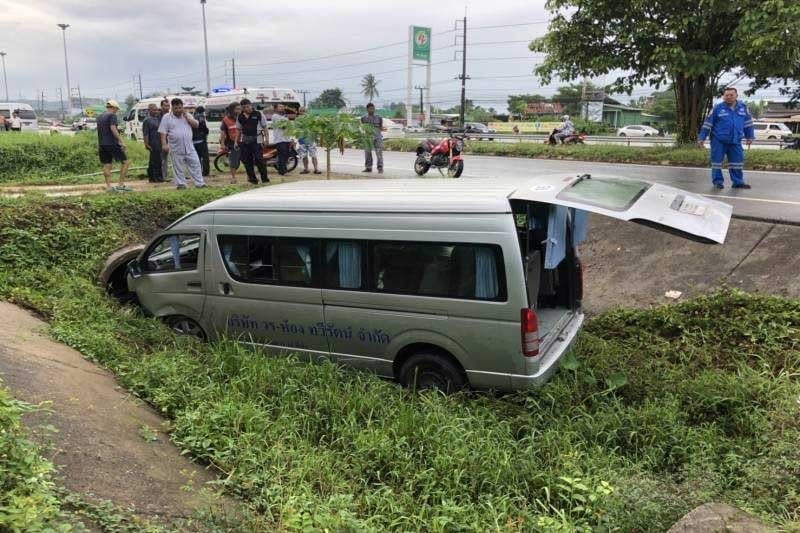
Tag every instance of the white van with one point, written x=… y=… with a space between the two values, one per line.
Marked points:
x=263 y=98
x=435 y=283
x=136 y=115
x=770 y=131
x=26 y=114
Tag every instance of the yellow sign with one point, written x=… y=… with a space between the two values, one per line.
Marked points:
x=524 y=127
x=88 y=112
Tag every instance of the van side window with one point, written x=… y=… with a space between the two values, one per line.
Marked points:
x=468 y=271
x=267 y=260
x=344 y=265
x=215 y=114
x=173 y=253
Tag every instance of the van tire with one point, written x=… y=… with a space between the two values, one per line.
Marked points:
x=430 y=370
x=183 y=325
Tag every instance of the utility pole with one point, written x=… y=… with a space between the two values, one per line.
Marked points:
x=61 y=98
x=205 y=45
x=42 y=108
x=304 y=93
x=66 y=64
x=420 y=88
x=463 y=76
x=5 y=79
x=233 y=71
x=139 y=78
x=80 y=98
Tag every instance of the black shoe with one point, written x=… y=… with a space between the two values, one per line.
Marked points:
x=719 y=186
x=367 y=170
x=265 y=180
x=741 y=186
x=380 y=171
x=253 y=181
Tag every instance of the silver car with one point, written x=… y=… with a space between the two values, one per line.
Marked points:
x=435 y=283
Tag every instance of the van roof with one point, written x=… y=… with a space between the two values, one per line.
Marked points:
x=387 y=195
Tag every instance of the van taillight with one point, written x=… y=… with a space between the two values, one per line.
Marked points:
x=529 y=327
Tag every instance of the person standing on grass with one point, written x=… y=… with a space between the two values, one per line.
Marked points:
x=176 y=139
x=164 y=155
x=111 y=146
x=200 y=140
x=16 y=123
x=307 y=147
x=3 y=122
x=377 y=139
x=252 y=129
x=152 y=143
x=728 y=124
x=229 y=137
x=279 y=138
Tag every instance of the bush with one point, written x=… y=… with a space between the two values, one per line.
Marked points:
x=655 y=412
x=48 y=159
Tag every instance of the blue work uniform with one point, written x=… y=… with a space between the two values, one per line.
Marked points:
x=727 y=127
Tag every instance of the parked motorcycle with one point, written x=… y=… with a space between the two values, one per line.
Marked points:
x=575 y=138
x=441 y=154
x=269 y=151
x=792 y=143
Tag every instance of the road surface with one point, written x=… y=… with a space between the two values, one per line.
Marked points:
x=774 y=196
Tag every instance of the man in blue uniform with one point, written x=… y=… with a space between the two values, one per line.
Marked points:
x=729 y=123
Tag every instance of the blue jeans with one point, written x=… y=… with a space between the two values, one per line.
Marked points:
x=735 y=154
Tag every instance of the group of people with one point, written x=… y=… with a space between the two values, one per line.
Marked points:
x=13 y=124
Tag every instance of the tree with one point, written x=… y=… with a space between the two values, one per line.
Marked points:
x=331 y=132
x=517 y=103
x=690 y=43
x=369 y=87
x=130 y=101
x=664 y=105
x=329 y=98
x=571 y=96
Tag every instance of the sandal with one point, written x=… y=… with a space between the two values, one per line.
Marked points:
x=304 y=171
x=317 y=172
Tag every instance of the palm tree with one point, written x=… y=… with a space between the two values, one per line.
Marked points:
x=369 y=87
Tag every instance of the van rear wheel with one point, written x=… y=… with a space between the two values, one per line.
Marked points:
x=432 y=371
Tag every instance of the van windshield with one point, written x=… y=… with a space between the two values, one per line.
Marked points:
x=608 y=193
x=26 y=114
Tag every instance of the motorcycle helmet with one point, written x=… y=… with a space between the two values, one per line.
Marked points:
x=565 y=117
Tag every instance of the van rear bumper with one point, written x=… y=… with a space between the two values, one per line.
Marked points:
x=549 y=362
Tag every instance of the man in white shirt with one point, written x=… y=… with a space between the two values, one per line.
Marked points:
x=176 y=139
x=16 y=123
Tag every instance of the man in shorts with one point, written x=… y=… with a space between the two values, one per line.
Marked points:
x=307 y=147
x=229 y=136
x=111 y=147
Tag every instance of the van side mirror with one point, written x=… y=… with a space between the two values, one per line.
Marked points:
x=135 y=268
x=129 y=116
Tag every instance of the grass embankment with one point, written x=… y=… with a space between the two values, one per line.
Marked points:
x=657 y=412
x=34 y=159
x=782 y=160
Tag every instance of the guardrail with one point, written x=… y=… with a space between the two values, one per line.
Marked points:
x=591 y=139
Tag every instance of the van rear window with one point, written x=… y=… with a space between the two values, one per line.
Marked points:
x=26 y=114
x=609 y=193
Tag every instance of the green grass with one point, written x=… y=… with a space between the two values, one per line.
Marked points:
x=657 y=411
x=34 y=159
x=782 y=160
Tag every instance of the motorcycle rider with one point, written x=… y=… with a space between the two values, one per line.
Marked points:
x=565 y=129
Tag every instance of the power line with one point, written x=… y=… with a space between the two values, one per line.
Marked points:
x=509 y=25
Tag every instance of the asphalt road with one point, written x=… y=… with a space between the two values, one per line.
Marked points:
x=774 y=196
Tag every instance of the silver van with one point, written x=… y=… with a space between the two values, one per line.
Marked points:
x=434 y=283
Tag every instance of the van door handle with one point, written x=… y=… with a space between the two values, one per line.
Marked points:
x=225 y=288
x=194 y=284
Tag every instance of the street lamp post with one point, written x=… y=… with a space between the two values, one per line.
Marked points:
x=5 y=79
x=205 y=45
x=66 y=66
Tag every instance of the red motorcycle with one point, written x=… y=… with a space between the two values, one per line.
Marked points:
x=441 y=154
x=269 y=152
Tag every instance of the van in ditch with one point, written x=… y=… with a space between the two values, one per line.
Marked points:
x=435 y=283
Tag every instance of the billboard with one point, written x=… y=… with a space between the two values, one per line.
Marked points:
x=421 y=49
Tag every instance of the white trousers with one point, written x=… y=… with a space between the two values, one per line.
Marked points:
x=182 y=162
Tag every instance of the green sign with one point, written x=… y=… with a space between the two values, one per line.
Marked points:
x=422 y=43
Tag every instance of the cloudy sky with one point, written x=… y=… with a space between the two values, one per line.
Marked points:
x=306 y=45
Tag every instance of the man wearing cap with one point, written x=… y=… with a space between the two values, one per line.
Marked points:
x=176 y=139
x=111 y=147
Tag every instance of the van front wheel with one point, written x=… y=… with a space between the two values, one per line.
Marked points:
x=432 y=371
x=182 y=325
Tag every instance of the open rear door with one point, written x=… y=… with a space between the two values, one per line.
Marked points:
x=665 y=208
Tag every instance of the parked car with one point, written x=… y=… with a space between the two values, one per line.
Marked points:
x=479 y=131
x=85 y=123
x=770 y=131
x=435 y=283
x=392 y=130
x=637 y=131
x=414 y=129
